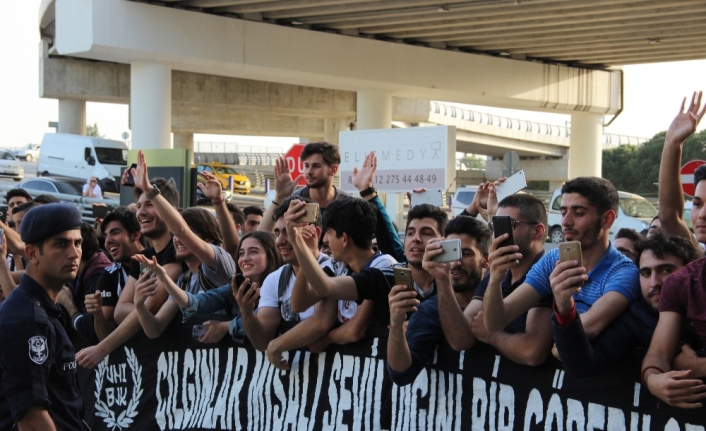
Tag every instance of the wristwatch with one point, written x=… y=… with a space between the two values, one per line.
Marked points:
x=151 y=195
x=367 y=192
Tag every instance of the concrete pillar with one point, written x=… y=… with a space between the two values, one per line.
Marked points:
x=185 y=141
x=585 y=151
x=150 y=105
x=332 y=126
x=374 y=108
x=72 y=116
x=374 y=111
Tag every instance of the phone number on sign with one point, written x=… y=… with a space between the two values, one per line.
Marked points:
x=404 y=180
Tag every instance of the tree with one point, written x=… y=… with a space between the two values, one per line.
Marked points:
x=93 y=131
x=636 y=168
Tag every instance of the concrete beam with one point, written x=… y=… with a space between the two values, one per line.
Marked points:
x=125 y=31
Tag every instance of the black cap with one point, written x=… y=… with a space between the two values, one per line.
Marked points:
x=45 y=221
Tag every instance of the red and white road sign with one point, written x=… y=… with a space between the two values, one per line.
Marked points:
x=687 y=176
x=296 y=166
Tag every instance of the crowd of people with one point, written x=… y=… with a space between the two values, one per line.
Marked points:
x=290 y=278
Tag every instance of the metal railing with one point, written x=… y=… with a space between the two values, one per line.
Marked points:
x=238 y=159
x=524 y=125
x=85 y=205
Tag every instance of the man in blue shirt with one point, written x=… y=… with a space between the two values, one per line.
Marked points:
x=610 y=280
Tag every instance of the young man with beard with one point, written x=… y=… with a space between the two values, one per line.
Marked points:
x=320 y=160
x=408 y=353
x=610 y=280
x=526 y=339
x=349 y=225
x=154 y=228
x=38 y=382
x=657 y=258
x=424 y=222
x=274 y=313
x=682 y=298
x=122 y=241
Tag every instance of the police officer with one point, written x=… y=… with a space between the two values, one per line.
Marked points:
x=38 y=383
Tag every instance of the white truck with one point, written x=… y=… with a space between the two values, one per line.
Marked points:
x=83 y=157
x=634 y=212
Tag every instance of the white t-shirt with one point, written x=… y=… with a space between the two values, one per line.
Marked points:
x=269 y=291
x=96 y=190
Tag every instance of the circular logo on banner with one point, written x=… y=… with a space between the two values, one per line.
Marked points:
x=116 y=392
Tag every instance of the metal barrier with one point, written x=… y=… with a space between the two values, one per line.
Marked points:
x=238 y=159
x=85 y=205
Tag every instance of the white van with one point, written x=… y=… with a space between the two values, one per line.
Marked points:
x=82 y=157
x=634 y=212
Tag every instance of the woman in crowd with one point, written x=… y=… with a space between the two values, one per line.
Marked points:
x=257 y=257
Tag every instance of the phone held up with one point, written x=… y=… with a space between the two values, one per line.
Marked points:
x=312 y=214
x=403 y=276
x=503 y=225
x=3 y=213
x=451 y=251
x=130 y=179
x=571 y=250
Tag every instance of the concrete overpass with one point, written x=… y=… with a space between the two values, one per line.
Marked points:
x=313 y=68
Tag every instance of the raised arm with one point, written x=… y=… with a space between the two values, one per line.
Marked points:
x=671 y=197
x=153 y=325
x=387 y=237
x=326 y=287
x=174 y=221
x=303 y=295
x=284 y=187
x=6 y=281
x=178 y=295
x=212 y=190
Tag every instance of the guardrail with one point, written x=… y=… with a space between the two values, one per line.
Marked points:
x=525 y=125
x=85 y=205
x=238 y=159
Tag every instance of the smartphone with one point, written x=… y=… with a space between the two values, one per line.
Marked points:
x=247 y=286
x=144 y=269
x=452 y=251
x=312 y=214
x=502 y=225
x=403 y=276
x=130 y=179
x=433 y=197
x=570 y=250
x=100 y=211
x=198 y=331
x=511 y=186
x=3 y=213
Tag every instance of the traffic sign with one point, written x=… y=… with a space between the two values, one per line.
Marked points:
x=296 y=166
x=687 y=176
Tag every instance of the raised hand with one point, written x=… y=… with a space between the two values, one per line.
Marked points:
x=363 y=177
x=151 y=264
x=144 y=288
x=439 y=270
x=212 y=189
x=284 y=185
x=684 y=124
x=566 y=280
x=402 y=301
x=245 y=295
x=502 y=258
x=142 y=181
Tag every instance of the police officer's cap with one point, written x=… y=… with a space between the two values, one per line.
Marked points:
x=45 y=221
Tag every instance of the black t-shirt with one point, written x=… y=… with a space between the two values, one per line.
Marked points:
x=111 y=283
x=164 y=257
x=375 y=284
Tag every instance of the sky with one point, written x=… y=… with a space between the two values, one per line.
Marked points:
x=653 y=93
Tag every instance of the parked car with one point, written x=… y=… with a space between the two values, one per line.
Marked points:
x=67 y=186
x=10 y=166
x=241 y=183
x=463 y=196
x=634 y=212
x=29 y=152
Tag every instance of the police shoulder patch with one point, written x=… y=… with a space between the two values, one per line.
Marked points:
x=38 y=350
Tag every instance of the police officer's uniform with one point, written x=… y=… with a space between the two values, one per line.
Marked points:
x=37 y=360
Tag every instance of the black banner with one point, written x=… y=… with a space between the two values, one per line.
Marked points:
x=176 y=383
